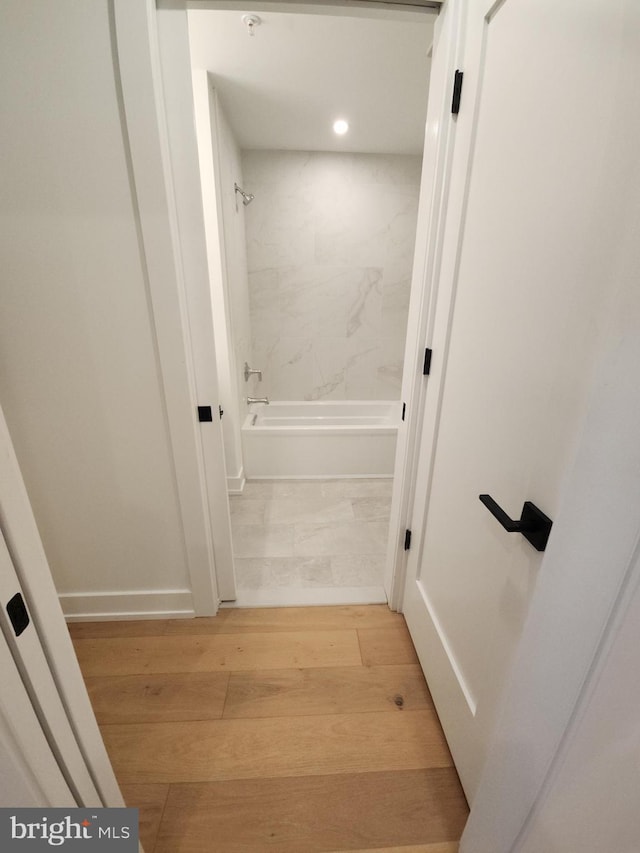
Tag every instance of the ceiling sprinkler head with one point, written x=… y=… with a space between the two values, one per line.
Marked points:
x=251 y=22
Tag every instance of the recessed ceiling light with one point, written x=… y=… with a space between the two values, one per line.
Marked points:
x=340 y=126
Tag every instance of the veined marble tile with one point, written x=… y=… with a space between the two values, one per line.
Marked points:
x=356 y=487
x=358 y=570
x=308 y=510
x=315 y=571
x=277 y=167
x=396 y=292
x=252 y=572
x=364 y=317
x=329 y=373
x=358 y=537
x=287 y=366
x=279 y=229
x=298 y=572
x=336 y=231
x=351 y=247
x=297 y=312
x=371 y=509
x=338 y=293
x=263 y=540
x=245 y=510
x=389 y=384
x=362 y=367
x=302 y=489
x=391 y=169
x=264 y=308
x=332 y=169
x=258 y=489
x=402 y=204
x=327 y=300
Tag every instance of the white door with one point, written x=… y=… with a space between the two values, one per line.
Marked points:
x=43 y=652
x=29 y=773
x=22 y=639
x=590 y=803
x=521 y=313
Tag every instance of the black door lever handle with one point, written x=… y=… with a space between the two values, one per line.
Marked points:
x=534 y=525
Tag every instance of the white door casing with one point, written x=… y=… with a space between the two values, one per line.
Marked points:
x=29 y=657
x=434 y=195
x=184 y=168
x=29 y=772
x=523 y=297
x=168 y=201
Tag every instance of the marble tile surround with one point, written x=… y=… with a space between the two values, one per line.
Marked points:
x=330 y=240
x=308 y=534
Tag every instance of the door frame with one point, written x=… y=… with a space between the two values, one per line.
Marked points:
x=164 y=172
x=155 y=78
x=440 y=664
x=440 y=136
x=24 y=743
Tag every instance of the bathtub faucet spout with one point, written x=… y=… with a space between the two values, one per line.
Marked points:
x=251 y=400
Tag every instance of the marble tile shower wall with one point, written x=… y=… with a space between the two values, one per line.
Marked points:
x=330 y=240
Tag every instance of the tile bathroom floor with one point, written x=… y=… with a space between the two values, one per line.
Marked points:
x=311 y=541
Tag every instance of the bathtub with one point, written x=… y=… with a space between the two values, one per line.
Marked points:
x=321 y=439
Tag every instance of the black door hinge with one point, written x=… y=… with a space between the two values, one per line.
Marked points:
x=426 y=367
x=404 y=410
x=205 y=414
x=407 y=540
x=17 y=612
x=457 y=91
x=221 y=410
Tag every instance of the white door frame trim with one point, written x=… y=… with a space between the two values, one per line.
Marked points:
x=174 y=260
x=440 y=135
x=24 y=742
x=160 y=177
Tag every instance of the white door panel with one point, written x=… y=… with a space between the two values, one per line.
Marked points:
x=528 y=301
x=29 y=772
x=590 y=803
x=29 y=658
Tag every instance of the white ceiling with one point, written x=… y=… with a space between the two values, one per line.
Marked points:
x=283 y=87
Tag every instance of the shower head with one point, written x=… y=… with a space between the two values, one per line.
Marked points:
x=247 y=198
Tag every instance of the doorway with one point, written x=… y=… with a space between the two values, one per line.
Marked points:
x=310 y=243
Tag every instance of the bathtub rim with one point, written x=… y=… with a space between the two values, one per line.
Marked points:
x=389 y=427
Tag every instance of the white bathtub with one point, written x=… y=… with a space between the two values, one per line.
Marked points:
x=321 y=439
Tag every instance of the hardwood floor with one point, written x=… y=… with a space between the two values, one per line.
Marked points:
x=290 y=730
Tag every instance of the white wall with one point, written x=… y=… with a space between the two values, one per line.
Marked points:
x=330 y=240
x=79 y=377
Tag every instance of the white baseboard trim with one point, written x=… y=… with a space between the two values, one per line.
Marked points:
x=305 y=597
x=142 y=604
x=235 y=485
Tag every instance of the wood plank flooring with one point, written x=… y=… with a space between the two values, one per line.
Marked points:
x=291 y=730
